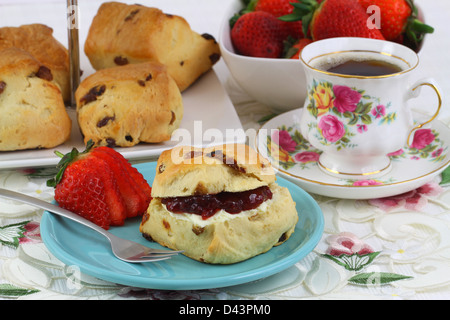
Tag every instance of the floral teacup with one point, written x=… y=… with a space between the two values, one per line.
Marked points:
x=357 y=120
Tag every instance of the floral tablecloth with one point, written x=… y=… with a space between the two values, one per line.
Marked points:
x=389 y=248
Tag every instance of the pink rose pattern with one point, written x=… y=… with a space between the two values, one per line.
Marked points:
x=298 y=151
x=370 y=182
x=362 y=128
x=352 y=108
x=292 y=147
x=284 y=140
x=347 y=243
x=379 y=111
x=332 y=129
x=346 y=98
x=307 y=156
x=354 y=254
x=413 y=200
x=396 y=153
x=422 y=138
x=426 y=145
x=32 y=233
x=349 y=107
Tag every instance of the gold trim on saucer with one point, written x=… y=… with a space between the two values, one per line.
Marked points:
x=361 y=77
x=353 y=174
x=365 y=186
x=316 y=182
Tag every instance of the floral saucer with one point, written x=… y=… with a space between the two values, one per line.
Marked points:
x=295 y=159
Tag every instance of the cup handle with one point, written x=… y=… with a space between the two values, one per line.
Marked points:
x=414 y=92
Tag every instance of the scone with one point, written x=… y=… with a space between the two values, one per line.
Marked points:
x=38 y=40
x=123 y=106
x=121 y=34
x=32 y=111
x=220 y=205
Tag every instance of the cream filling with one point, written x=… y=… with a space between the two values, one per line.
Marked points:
x=222 y=215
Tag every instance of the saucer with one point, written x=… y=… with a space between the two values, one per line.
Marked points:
x=295 y=159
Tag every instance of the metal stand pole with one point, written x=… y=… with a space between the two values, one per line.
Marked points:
x=74 y=51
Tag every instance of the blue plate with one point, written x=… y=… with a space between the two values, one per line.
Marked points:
x=75 y=244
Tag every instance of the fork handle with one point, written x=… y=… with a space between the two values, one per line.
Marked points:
x=12 y=195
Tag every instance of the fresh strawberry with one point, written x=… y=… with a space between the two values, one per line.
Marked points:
x=333 y=18
x=280 y=8
x=137 y=177
x=89 y=190
x=398 y=17
x=134 y=198
x=296 y=49
x=258 y=34
x=97 y=185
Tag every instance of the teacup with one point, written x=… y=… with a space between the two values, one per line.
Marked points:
x=357 y=120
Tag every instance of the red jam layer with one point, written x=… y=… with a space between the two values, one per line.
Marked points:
x=208 y=205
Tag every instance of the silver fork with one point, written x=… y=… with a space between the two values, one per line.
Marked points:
x=123 y=249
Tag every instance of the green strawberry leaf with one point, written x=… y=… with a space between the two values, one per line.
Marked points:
x=249 y=7
x=419 y=26
x=415 y=29
x=65 y=161
x=302 y=11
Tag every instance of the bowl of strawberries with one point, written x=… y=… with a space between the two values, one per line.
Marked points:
x=261 y=40
x=266 y=77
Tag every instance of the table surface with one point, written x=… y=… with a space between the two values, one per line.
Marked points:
x=404 y=244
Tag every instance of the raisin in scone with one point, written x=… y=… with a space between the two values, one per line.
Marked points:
x=38 y=40
x=123 y=106
x=221 y=205
x=121 y=34
x=32 y=110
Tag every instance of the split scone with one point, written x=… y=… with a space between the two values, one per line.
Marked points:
x=220 y=205
x=32 y=111
x=37 y=39
x=123 y=106
x=121 y=34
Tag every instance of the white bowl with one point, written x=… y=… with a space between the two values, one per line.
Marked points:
x=279 y=84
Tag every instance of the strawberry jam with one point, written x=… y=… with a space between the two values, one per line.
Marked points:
x=207 y=205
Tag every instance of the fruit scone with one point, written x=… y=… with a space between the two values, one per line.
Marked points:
x=123 y=106
x=121 y=34
x=220 y=205
x=32 y=110
x=37 y=39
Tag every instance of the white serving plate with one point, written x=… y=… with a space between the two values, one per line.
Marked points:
x=209 y=115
